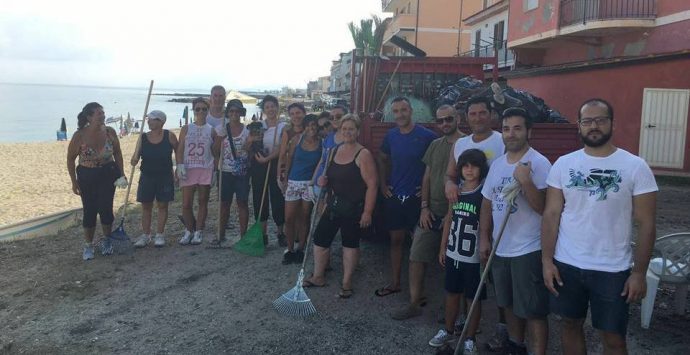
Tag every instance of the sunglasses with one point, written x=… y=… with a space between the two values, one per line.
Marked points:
x=447 y=119
x=201 y=109
x=325 y=125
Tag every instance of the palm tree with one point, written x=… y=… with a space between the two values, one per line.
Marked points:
x=368 y=36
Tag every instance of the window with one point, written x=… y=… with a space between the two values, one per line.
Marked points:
x=530 y=4
x=498 y=34
x=477 y=42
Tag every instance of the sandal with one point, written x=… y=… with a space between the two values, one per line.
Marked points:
x=382 y=292
x=307 y=284
x=345 y=293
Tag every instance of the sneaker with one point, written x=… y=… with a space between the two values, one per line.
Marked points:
x=88 y=252
x=282 y=240
x=198 y=236
x=407 y=312
x=142 y=241
x=106 y=246
x=186 y=238
x=442 y=338
x=469 y=347
x=159 y=240
x=499 y=339
x=288 y=257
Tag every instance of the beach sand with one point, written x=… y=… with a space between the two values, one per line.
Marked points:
x=35 y=181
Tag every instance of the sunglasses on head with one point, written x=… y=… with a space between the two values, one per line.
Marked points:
x=447 y=119
x=201 y=109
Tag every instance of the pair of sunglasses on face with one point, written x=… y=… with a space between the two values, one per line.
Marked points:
x=447 y=119
x=325 y=125
x=201 y=109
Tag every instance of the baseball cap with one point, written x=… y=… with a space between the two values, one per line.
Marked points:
x=157 y=115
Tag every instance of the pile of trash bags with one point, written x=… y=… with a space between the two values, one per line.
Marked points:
x=501 y=99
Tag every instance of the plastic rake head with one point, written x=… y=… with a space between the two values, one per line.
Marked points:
x=121 y=242
x=295 y=302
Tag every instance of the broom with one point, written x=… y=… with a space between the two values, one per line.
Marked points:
x=296 y=302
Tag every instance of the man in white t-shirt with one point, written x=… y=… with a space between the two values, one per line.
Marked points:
x=593 y=196
x=217 y=109
x=478 y=112
x=516 y=268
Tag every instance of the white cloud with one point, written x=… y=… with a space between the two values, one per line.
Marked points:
x=245 y=44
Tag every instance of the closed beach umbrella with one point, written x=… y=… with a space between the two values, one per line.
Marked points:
x=185 y=114
x=63 y=126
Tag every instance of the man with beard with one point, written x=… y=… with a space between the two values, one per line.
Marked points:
x=517 y=264
x=400 y=178
x=593 y=196
x=427 y=236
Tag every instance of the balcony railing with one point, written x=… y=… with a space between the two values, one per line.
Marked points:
x=575 y=12
x=505 y=56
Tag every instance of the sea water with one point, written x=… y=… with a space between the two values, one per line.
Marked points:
x=32 y=113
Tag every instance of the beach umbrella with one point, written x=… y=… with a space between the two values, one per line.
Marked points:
x=63 y=126
x=185 y=114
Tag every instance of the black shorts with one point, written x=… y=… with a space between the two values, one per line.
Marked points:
x=328 y=227
x=599 y=289
x=399 y=214
x=235 y=185
x=463 y=278
x=159 y=187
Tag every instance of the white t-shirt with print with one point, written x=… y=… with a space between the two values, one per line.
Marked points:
x=215 y=122
x=492 y=147
x=238 y=163
x=596 y=223
x=522 y=234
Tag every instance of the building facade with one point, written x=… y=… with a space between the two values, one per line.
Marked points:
x=489 y=33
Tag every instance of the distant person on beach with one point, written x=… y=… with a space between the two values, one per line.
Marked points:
x=401 y=170
x=351 y=176
x=303 y=153
x=234 y=153
x=273 y=199
x=156 y=181
x=99 y=171
x=195 y=165
x=216 y=111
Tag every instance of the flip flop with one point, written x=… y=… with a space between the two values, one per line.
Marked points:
x=345 y=294
x=383 y=292
x=307 y=284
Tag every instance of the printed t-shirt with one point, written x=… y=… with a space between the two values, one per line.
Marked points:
x=463 y=241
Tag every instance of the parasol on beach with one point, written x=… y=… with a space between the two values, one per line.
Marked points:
x=185 y=114
x=63 y=126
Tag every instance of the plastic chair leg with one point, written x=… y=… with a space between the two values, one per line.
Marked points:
x=648 y=301
x=680 y=297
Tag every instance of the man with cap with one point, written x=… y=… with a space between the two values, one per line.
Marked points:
x=234 y=154
x=156 y=180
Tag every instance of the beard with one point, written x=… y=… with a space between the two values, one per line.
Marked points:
x=594 y=143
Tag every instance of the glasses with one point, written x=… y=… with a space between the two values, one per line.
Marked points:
x=201 y=109
x=587 y=122
x=447 y=119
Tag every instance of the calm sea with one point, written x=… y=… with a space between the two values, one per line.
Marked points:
x=32 y=113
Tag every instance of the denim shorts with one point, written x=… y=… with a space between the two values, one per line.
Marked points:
x=600 y=290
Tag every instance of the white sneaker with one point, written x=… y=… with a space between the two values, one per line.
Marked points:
x=197 y=238
x=142 y=241
x=441 y=338
x=159 y=240
x=469 y=347
x=186 y=238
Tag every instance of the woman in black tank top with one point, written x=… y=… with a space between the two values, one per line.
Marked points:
x=156 y=181
x=352 y=178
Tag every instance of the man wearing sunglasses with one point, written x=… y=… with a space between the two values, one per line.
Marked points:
x=593 y=196
x=427 y=235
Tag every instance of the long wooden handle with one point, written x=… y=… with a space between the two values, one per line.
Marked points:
x=137 y=150
x=221 y=158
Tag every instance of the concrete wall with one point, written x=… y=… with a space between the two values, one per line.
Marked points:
x=622 y=86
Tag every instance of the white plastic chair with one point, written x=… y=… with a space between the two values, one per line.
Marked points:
x=670 y=264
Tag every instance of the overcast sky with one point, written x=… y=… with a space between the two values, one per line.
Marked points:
x=248 y=44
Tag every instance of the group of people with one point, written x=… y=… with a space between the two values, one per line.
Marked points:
x=565 y=239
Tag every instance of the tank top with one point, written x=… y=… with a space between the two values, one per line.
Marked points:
x=197 y=147
x=237 y=163
x=463 y=239
x=270 y=137
x=156 y=158
x=90 y=158
x=346 y=180
x=304 y=162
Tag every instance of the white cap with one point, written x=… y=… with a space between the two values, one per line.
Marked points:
x=157 y=115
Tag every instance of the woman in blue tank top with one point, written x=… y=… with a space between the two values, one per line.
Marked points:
x=303 y=154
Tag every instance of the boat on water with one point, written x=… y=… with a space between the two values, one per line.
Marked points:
x=43 y=226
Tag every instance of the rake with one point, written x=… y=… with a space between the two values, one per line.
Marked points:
x=296 y=302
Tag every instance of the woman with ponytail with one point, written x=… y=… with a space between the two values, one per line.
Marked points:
x=99 y=171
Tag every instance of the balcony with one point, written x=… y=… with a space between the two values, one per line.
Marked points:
x=389 y=5
x=505 y=57
x=593 y=16
x=399 y=23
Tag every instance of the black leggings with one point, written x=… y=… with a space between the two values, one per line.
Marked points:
x=328 y=226
x=277 y=200
x=97 y=193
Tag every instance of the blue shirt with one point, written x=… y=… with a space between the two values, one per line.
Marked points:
x=326 y=146
x=406 y=152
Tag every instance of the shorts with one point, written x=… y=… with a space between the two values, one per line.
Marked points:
x=197 y=176
x=519 y=284
x=463 y=278
x=234 y=185
x=600 y=289
x=299 y=190
x=426 y=245
x=401 y=213
x=159 y=187
x=328 y=227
